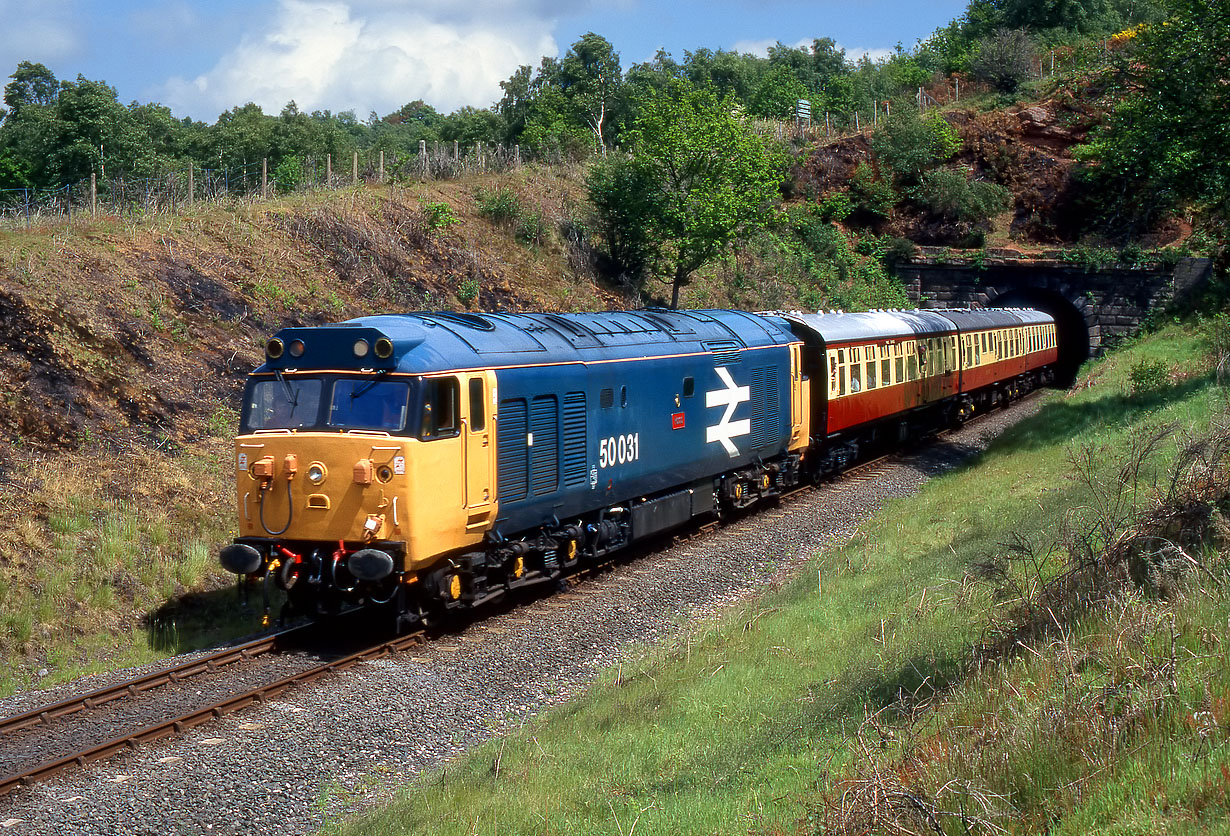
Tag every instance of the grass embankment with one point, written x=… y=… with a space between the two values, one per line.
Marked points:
x=959 y=670
x=125 y=346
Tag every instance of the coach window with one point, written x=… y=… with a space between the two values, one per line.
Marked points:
x=440 y=399
x=912 y=367
x=886 y=369
x=871 y=374
x=856 y=383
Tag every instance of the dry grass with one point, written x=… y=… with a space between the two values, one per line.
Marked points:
x=125 y=348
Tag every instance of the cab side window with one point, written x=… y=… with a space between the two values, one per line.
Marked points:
x=441 y=397
x=478 y=415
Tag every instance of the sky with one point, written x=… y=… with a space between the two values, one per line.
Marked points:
x=202 y=57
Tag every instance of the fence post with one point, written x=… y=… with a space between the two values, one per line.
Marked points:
x=381 y=166
x=354 y=169
x=264 y=178
x=328 y=171
x=25 y=192
x=93 y=195
x=191 y=186
x=171 y=192
x=456 y=147
x=856 y=127
x=958 y=80
x=517 y=155
x=478 y=155
x=423 y=161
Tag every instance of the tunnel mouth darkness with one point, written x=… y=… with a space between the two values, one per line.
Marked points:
x=1072 y=331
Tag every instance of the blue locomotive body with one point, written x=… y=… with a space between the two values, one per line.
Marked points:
x=635 y=404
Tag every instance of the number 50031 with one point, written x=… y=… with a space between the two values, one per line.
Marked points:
x=619 y=450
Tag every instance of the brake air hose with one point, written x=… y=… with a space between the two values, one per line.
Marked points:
x=290 y=513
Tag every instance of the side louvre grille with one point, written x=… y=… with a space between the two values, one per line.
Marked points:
x=544 y=453
x=574 y=439
x=764 y=404
x=513 y=477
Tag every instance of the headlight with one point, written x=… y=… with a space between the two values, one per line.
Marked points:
x=296 y=348
x=316 y=473
x=384 y=348
x=361 y=348
x=273 y=349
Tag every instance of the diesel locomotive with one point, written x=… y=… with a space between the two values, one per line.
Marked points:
x=434 y=461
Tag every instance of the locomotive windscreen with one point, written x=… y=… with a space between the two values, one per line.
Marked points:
x=365 y=403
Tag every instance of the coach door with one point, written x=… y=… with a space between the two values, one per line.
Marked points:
x=479 y=446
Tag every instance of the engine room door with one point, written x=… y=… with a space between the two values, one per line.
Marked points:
x=479 y=400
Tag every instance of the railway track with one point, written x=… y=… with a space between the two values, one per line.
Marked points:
x=44 y=765
x=78 y=707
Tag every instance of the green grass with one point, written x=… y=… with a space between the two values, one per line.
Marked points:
x=755 y=723
x=107 y=586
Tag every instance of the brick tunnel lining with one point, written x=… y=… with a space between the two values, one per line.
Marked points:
x=1072 y=330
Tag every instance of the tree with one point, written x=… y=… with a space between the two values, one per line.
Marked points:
x=1167 y=141
x=625 y=197
x=590 y=77
x=778 y=94
x=32 y=84
x=715 y=179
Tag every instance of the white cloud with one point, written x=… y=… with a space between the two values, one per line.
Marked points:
x=45 y=31
x=374 y=55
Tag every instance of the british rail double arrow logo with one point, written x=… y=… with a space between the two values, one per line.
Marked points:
x=730 y=397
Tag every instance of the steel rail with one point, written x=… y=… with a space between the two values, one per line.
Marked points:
x=192 y=719
x=132 y=687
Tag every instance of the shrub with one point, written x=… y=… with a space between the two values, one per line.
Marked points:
x=438 y=215
x=948 y=192
x=288 y=175
x=1004 y=59
x=499 y=206
x=873 y=197
x=835 y=206
x=910 y=144
x=1148 y=377
x=467 y=291
x=530 y=229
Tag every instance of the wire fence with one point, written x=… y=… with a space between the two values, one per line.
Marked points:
x=132 y=196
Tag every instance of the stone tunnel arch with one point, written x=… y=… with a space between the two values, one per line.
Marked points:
x=1073 y=326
